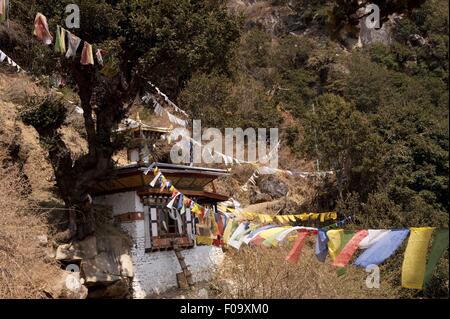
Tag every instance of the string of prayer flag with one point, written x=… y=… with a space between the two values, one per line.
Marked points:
x=41 y=31
x=4 y=57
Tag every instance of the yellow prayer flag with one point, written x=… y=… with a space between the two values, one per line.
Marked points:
x=227 y=231
x=305 y=217
x=322 y=217
x=291 y=218
x=279 y=218
x=246 y=215
x=334 y=241
x=272 y=231
x=215 y=227
x=414 y=262
x=314 y=216
x=204 y=240
x=196 y=208
x=333 y=215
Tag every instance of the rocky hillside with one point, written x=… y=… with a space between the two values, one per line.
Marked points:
x=34 y=262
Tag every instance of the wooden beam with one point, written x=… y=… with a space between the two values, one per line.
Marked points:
x=187 y=192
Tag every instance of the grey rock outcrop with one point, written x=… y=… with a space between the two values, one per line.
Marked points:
x=272 y=185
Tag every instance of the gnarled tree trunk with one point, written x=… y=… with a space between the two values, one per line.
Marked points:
x=103 y=102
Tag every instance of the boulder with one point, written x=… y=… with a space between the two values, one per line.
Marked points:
x=105 y=265
x=257 y=197
x=383 y=35
x=272 y=185
x=126 y=266
x=77 y=251
x=66 y=285
x=101 y=269
x=68 y=252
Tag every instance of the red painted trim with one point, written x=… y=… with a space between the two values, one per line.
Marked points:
x=129 y=217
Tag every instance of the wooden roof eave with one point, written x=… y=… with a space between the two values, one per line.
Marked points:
x=190 y=193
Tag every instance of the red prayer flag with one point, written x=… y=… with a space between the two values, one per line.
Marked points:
x=219 y=225
x=347 y=252
x=41 y=29
x=294 y=254
x=256 y=241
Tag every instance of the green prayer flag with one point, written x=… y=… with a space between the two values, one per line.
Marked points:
x=60 y=43
x=57 y=39
x=346 y=238
x=440 y=244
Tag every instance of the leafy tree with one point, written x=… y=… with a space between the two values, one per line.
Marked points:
x=344 y=140
x=163 y=41
x=242 y=101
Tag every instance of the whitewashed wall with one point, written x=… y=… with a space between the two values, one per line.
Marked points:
x=155 y=272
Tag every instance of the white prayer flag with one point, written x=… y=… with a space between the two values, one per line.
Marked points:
x=153 y=182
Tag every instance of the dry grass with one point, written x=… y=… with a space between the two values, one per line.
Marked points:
x=264 y=273
x=25 y=270
x=16 y=88
x=24 y=273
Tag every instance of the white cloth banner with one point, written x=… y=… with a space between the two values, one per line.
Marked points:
x=374 y=236
x=179 y=223
x=281 y=236
x=4 y=57
x=168 y=101
x=170 y=205
x=240 y=231
x=153 y=182
x=158 y=108
x=175 y=120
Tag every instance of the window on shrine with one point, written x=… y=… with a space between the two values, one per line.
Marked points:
x=165 y=227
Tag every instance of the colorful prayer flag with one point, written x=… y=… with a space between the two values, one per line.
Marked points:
x=414 y=262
